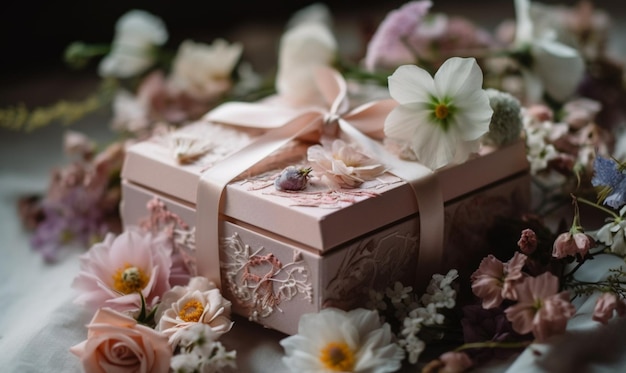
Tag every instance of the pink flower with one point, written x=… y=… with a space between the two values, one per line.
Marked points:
x=185 y=306
x=342 y=165
x=117 y=343
x=606 y=305
x=449 y=362
x=540 y=309
x=568 y=244
x=386 y=48
x=528 y=241
x=115 y=271
x=494 y=280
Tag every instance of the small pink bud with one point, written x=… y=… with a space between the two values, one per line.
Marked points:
x=528 y=241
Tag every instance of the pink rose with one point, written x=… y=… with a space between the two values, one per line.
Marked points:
x=117 y=343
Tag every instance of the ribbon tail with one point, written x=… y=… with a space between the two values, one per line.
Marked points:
x=212 y=184
x=429 y=199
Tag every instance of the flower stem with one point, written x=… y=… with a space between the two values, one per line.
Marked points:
x=493 y=344
x=593 y=204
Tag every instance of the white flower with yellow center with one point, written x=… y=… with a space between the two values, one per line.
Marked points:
x=338 y=341
x=185 y=306
x=441 y=120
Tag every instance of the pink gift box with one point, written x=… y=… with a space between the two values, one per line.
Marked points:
x=283 y=254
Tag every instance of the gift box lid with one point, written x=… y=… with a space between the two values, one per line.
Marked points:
x=318 y=221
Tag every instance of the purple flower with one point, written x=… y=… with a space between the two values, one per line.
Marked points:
x=609 y=176
x=386 y=48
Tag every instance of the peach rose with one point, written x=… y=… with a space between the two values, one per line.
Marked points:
x=116 y=342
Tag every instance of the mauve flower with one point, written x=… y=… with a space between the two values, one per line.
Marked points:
x=606 y=305
x=115 y=271
x=342 y=164
x=495 y=281
x=387 y=48
x=117 y=343
x=449 y=362
x=137 y=32
x=539 y=308
x=199 y=302
x=528 y=241
x=572 y=244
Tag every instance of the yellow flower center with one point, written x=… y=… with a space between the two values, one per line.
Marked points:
x=191 y=311
x=337 y=356
x=129 y=279
x=442 y=111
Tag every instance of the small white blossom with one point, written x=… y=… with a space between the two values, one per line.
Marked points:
x=429 y=314
x=412 y=325
x=398 y=293
x=414 y=346
x=376 y=300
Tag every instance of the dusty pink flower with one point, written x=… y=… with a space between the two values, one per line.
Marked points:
x=539 y=308
x=528 y=241
x=386 y=48
x=568 y=244
x=115 y=271
x=199 y=302
x=494 y=281
x=449 y=362
x=342 y=164
x=606 y=305
x=117 y=343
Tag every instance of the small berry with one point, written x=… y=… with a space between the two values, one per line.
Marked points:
x=292 y=178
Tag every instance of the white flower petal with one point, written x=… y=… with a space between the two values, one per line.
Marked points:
x=458 y=76
x=560 y=68
x=410 y=83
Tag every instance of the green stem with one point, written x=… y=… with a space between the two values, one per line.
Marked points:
x=493 y=344
x=593 y=204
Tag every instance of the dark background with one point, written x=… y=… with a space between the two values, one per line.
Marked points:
x=34 y=34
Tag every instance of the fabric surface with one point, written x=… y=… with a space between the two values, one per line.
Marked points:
x=39 y=322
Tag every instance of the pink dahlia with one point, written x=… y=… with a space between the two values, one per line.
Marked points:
x=114 y=272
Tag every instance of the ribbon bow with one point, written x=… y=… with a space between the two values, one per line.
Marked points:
x=284 y=124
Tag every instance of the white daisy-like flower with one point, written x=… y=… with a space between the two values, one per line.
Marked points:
x=336 y=340
x=441 y=119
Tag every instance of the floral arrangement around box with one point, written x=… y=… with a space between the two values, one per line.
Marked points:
x=433 y=94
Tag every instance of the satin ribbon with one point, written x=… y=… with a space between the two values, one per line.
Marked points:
x=284 y=124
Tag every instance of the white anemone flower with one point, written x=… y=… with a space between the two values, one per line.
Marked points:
x=441 y=119
x=336 y=340
x=554 y=67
